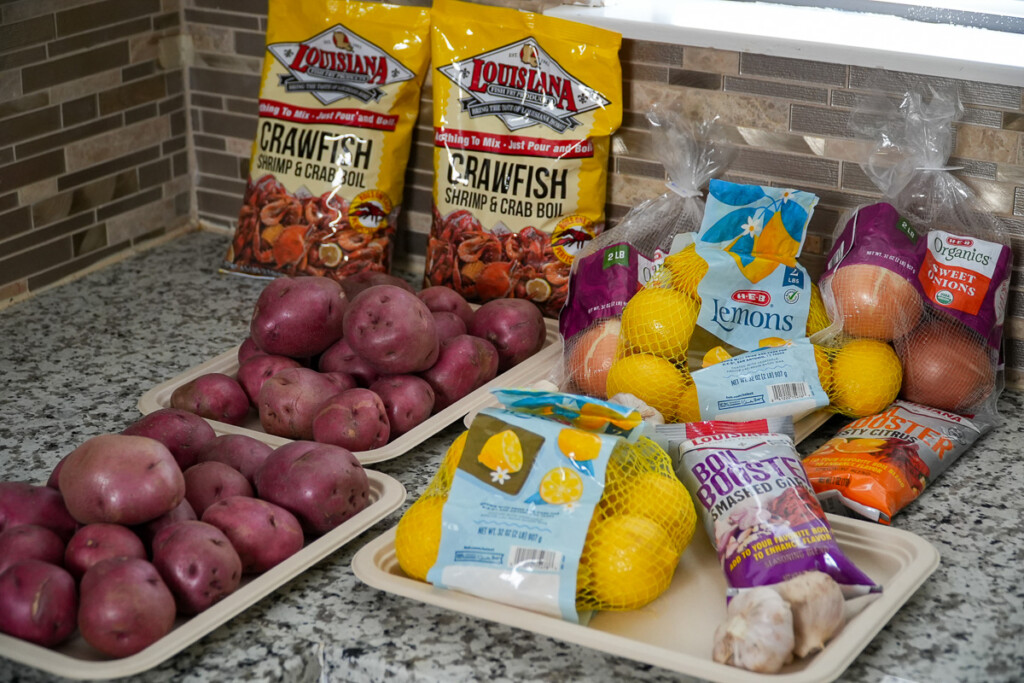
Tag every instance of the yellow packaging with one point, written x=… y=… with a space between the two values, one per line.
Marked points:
x=523 y=109
x=339 y=97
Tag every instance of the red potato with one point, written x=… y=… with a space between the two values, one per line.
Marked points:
x=264 y=534
x=392 y=330
x=341 y=358
x=30 y=542
x=121 y=479
x=38 y=602
x=183 y=433
x=355 y=419
x=465 y=364
x=298 y=316
x=215 y=396
x=198 y=563
x=442 y=299
x=357 y=282
x=240 y=451
x=55 y=474
x=182 y=513
x=208 y=482
x=322 y=485
x=97 y=542
x=125 y=606
x=247 y=349
x=448 y=325
x=289 y=400
x=408 y=401
x=514 y=326
x=257 y=370
x=24 y=503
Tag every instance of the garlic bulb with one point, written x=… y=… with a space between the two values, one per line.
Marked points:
x=817 y=603
x=757 y=634
x=649 y=414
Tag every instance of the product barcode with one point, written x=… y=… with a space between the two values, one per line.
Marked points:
x=536 y=558
x=840 y=482
x=789 y=391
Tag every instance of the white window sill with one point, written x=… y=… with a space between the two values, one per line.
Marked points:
x=866 y=40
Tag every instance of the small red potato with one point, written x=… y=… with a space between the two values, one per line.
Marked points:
x=198 y=563
x=24 y=503
x=240 y=451
x=55 y=474
x=408 y=401
x=357 y=282
x=392 y=330
x=38 y=602
x=182 y=513
x=121 y=480
x=321 y=484
x=183 y=433
x=247 y=349
x=215 y=396
x=255 y=371
x=125 y=606
x=465 y=364
x=264 y=534
x=208 y=482
x=442 y=299
x=30 y=542
x=289 y=400
x=448 y=325
x=341 y=358
x=298 y=316
x=514 y=326
x=355 y=419
x=97 y=542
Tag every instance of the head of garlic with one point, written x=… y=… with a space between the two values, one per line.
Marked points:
x=817 y=604
x=757 y=633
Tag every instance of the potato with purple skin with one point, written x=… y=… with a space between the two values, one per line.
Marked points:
x=264 y=534
x=198 y=563
x=515 y=327
x=183 y=433
x=355 y=419
x=38 y=602
x=30 y=542
x=121 y=480
x=248 y=349
x=208 y=482
x=97 y=542
x=289 y=401
x=408 y=401
x=240 y=451
x=257 y=370
x=464 y=365
x=125 y=606
x=25 y=503
x=442 y=299
x=357 y=282
x=448 y=325
x=322 y=485
x=341 y=358
x=392 y=330
x=298 y=316
x=215 y=396
x=182 y=513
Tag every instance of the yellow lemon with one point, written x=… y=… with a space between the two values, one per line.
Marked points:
x=654 y=380
x=866 y=377
x=502 y=450
x=688 y=407
x=817 y=316
x=579 y=445
x=560 y=486
x=659 y=322
x=418 y=536
x=685 y=271
x=824 y=364
x=627 y=562
x=452 y=457
x=714 y=355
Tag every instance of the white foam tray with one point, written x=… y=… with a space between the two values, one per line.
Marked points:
x=676 y=631
x=77 y=659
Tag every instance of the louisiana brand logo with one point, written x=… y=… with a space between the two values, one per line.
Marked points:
x=337 y=64
x=523 y=86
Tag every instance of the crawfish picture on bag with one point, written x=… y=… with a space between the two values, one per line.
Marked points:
x=523 y=109
x=338 y=100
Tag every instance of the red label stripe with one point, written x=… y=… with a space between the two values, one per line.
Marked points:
x=354 y=118
x=518 y=145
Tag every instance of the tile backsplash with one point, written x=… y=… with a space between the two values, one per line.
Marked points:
x=124 y=120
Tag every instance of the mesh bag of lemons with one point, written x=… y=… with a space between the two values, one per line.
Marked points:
x=555 y=503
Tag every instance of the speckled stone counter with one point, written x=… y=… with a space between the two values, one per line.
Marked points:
x=74 y=361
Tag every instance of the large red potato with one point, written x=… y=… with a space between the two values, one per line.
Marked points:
x=355 y=419
x=215 y=396
x=182 y=513
x=38 y=602
x=357 y=282
x=264 y=534
x=392 y=330
x=183 y=433
x=341 y=358
x=30 y=542
x=210 y=481
x=257 y=370
x=464 y=364
x=408 y=401
x=120 y=479
x=97 y=542
x=321 y=484
x=124 y=606
x=514 y=326
x=24 y=503
x=448 y=324
x=198 y=563
x=247 y=349
x=298 y=316
x=289 y=400
x=441 y=299
x=240 y=451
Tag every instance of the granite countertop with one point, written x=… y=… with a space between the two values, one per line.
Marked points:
x=75 y=360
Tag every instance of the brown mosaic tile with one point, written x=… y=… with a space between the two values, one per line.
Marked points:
x=14 y=223
x=50 y=233
x=27 y=263
x=983 y=117
x=95 y=194
x=133 y=94
x=71 y=267
x=257 y=7
x=70 y=136
x=823 y=172
x=206 y=101
x=79 y=111
x=27 y=126
x=228 y=186
x=89 y=240
x=855 y=179
x=25 y=171
x=8 y=201
x=99 y=14
x=71 y=68
x=1013 y=121
x=111 y=145
x=251 y=44
x=111 y=166
x=237 y=85
x=753 y=86
x=787 y=68
x=647 y=51
x=86 y=85
x=218 y=204
x=175 y=144
x=976 y=169
x=146 y=111
x=1010 y=174
x=143 y=217
x=971 y=92
x=90 y=39
x=51 y=209
x=639 y=167
x=711 y=59
x=644 y=72
x=14 y=289
x=820 y=120
x=132 y=202
x=731 y=108
x=1018 y=201
x=15 y=60
x=140 y=70
x=228 y=125
x=977 y=142
x=156 y=173
x=196 y=16
x=694 y=79
x=22 y=34
x=19 y=105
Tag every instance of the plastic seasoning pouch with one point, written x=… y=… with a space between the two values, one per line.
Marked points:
x=524 y=105
x=759 y=509
x=339 y=97
x=877 y=465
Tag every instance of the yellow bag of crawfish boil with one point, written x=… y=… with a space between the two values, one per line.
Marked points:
x=523 y=109
x=338 y=101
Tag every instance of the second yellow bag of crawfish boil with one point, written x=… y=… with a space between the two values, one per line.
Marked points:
x=339 y=98
x=524 y=106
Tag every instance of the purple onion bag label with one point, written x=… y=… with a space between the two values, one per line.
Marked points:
x=600 y=286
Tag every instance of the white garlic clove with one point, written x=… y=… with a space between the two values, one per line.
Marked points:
x=757 y=634
x=649 y=414
x=817 y=603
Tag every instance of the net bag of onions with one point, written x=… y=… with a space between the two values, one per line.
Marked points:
x=925 y=271
x=555 y=504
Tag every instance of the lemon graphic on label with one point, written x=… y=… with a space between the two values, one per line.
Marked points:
x=579 y=445
x=561 y=486
x=502 y=451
